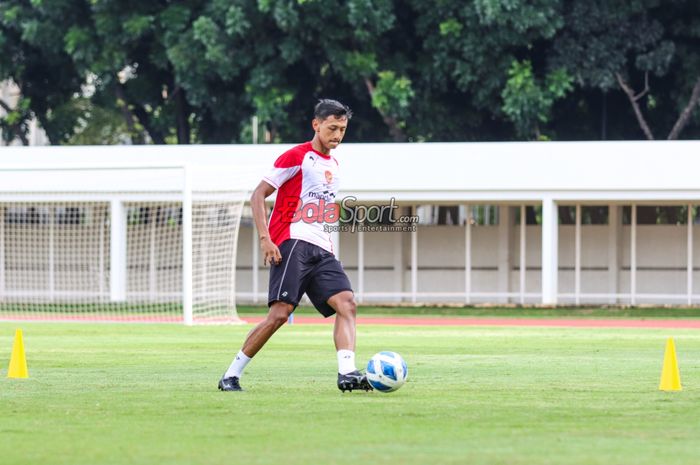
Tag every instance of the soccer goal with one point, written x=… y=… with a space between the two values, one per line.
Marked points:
x=117 y=244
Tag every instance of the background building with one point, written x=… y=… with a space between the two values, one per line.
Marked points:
x=522 y=223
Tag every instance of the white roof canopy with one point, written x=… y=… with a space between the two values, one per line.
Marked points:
x=642 y=171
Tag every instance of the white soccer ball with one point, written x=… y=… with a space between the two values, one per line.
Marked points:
x=386 y=371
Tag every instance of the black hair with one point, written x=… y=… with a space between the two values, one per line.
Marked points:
x=327 y=107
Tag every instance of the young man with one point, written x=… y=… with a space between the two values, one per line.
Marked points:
x=300 y=251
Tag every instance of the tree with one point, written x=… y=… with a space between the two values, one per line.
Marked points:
x=33 y=58
x=644 y=44
x=198 y=71
x=469 y=51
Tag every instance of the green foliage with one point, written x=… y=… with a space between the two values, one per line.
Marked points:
x=361 y=64
x=197 y=71
x=602 y=38
x=98 y=125
x=528 y=101
x=77 y=43
x=270 y=101
x=450 y=27
x=15 y=123
x=522 y=16
x=32 y=55
x=137 y=25
x=467 y=51
x=393 y=94
x=208 y=33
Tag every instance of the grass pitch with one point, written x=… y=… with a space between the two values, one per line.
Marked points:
x=146 y=394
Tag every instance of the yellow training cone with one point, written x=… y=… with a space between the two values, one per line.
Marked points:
x=18 y=361
x=670 y=375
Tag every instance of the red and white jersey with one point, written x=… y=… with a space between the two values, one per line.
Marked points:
x=306 y=181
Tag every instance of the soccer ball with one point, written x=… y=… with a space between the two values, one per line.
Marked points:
x=386 y=371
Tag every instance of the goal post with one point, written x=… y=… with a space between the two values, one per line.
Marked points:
x=187 y=249
x=118 y=243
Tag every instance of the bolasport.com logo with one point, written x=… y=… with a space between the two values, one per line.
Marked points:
x=348 y=216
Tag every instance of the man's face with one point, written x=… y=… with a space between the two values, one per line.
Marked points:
x=330 y=130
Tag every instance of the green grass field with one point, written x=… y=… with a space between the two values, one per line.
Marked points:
x=146 y=394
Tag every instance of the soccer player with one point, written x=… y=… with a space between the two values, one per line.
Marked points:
x=299 y=249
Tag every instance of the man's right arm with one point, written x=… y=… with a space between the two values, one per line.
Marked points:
x=271 y=253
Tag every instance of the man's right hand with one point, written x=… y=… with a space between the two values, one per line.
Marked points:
x=270 y=252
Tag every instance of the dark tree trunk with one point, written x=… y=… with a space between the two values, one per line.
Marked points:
x=604 y=118
x=142 y=115
x=686 y=113
x=393 y=124
x=634 y=99
x=145 y=120
x=135 y=135
x=182 y=113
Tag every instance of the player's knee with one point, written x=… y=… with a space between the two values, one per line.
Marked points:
x=352 y=308
x=279 y=313
x=347 y=306
x=277 y=318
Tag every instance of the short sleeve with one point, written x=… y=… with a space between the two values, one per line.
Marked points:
x=285 y=168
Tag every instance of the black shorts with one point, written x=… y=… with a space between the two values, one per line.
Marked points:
x=306 y=268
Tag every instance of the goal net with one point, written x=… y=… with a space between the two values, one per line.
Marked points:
x=111 y=256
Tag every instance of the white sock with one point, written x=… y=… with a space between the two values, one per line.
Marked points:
x=346 y=361
x=237 y=366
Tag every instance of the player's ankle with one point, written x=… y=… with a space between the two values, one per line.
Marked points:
x=238 y=365
x=346 y=361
